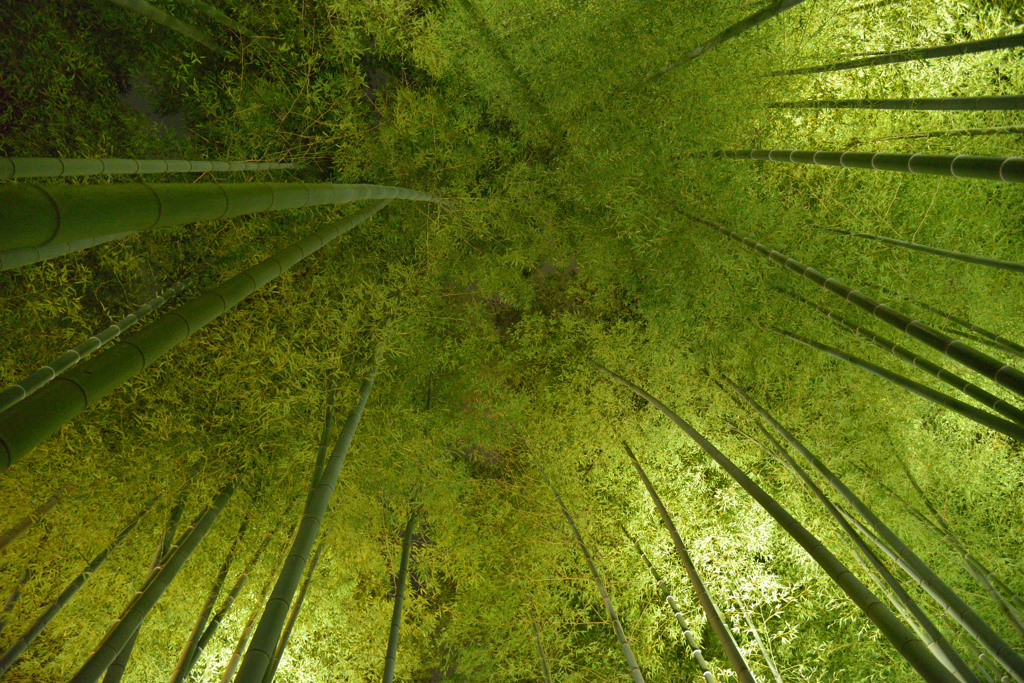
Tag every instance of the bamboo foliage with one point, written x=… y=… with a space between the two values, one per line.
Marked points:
x=162 y=18
x=10 y=657
x=922 y=574
x=613 y=616
x=218 y=16
x=1013 y=430
x=757 y=639
x=740 y=27
x=1004 y=375
x=711 y=611
x=268 y=677
x=913 y=55
x=38 y=379
x=30 y=422
x=390 y=659
x=261 y=650
x=926 y=631
x=25 y=523
x=126 y=627
x=983 y=103
x=986 y=398
x=935 y=251
x=39 y=215
x=670 y=600
x=910 y=647
x=189 y=653
x=1004 y=169
x=53 y=167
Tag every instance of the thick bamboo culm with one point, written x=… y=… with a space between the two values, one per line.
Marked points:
x=38 y=215
x=928 y=633
x=143 y=604
x=1011 y=347
x=391 y=656
x=260 y=653
x=162 y=18
x=10 y=657
x=980 y=395
x=38 y=379
x=31 y=421
x=982 y=103
x=16 y=258
x=929 y=581
x=902 y=639
x=912 y=55
x=677 y=613
x=613 y=616
x=44 y=167
x=999 y=372
x=289 y=626
x=1005 y=169
x=935 y=251
x=740 y=27
x=1013 y=430
x=707 y=603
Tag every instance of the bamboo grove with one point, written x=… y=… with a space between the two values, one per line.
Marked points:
x=473 y=341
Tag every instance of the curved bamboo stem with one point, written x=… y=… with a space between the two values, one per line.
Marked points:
x=912 y=649
x=711 y=611
x=30 y=422
x=261 y=650
x=38 y=379
x=390 y=659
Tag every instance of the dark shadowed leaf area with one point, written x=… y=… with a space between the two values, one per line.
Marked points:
x=209 y=188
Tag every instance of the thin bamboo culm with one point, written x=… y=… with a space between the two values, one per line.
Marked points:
x=261 y=650
x=981 y=103
x=38 y=379
x=613 y=616
x=268 y=677
x=10 y=657
x=757 y=638
x=53 y=167
x=902 y=639
x=1004 y=375
x=923 y=575
x=1013 y=430
x=31 y=421
x=677 y=613
x=980 y=395
x=391 y=657
x=40 y=215
x=541 y=654
x=1004 y=344
x=1004 y=169
x=25 y=523
x=707 y=603
x=13 y=597
x=912 y=55
x=126 y=628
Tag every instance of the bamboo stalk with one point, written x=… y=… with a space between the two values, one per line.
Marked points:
x=10 y=657
x=260 y=652
x=982 y=417
x=912 y=649
x=1005 y=169
x=30 y=422
x=129 y=625
x=13 y=598
x=1011 y=347
x=913 y=55
x=935 y=251
x=987 y=399
x=958 y=609
x=53 y=167
x=162 y=18
x=740 y=27
x=670 y=600
x=970 y=132
x=26 y=522
x=16 y=258
x=760 y=643
x=982 y=103
x=613 y=616
x=541 y=654
x=937 y=643
x=711 y=611
x=38 y=379
x=1004 y=375
x=268 y=677
x=390 y=659
x=38 y=215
